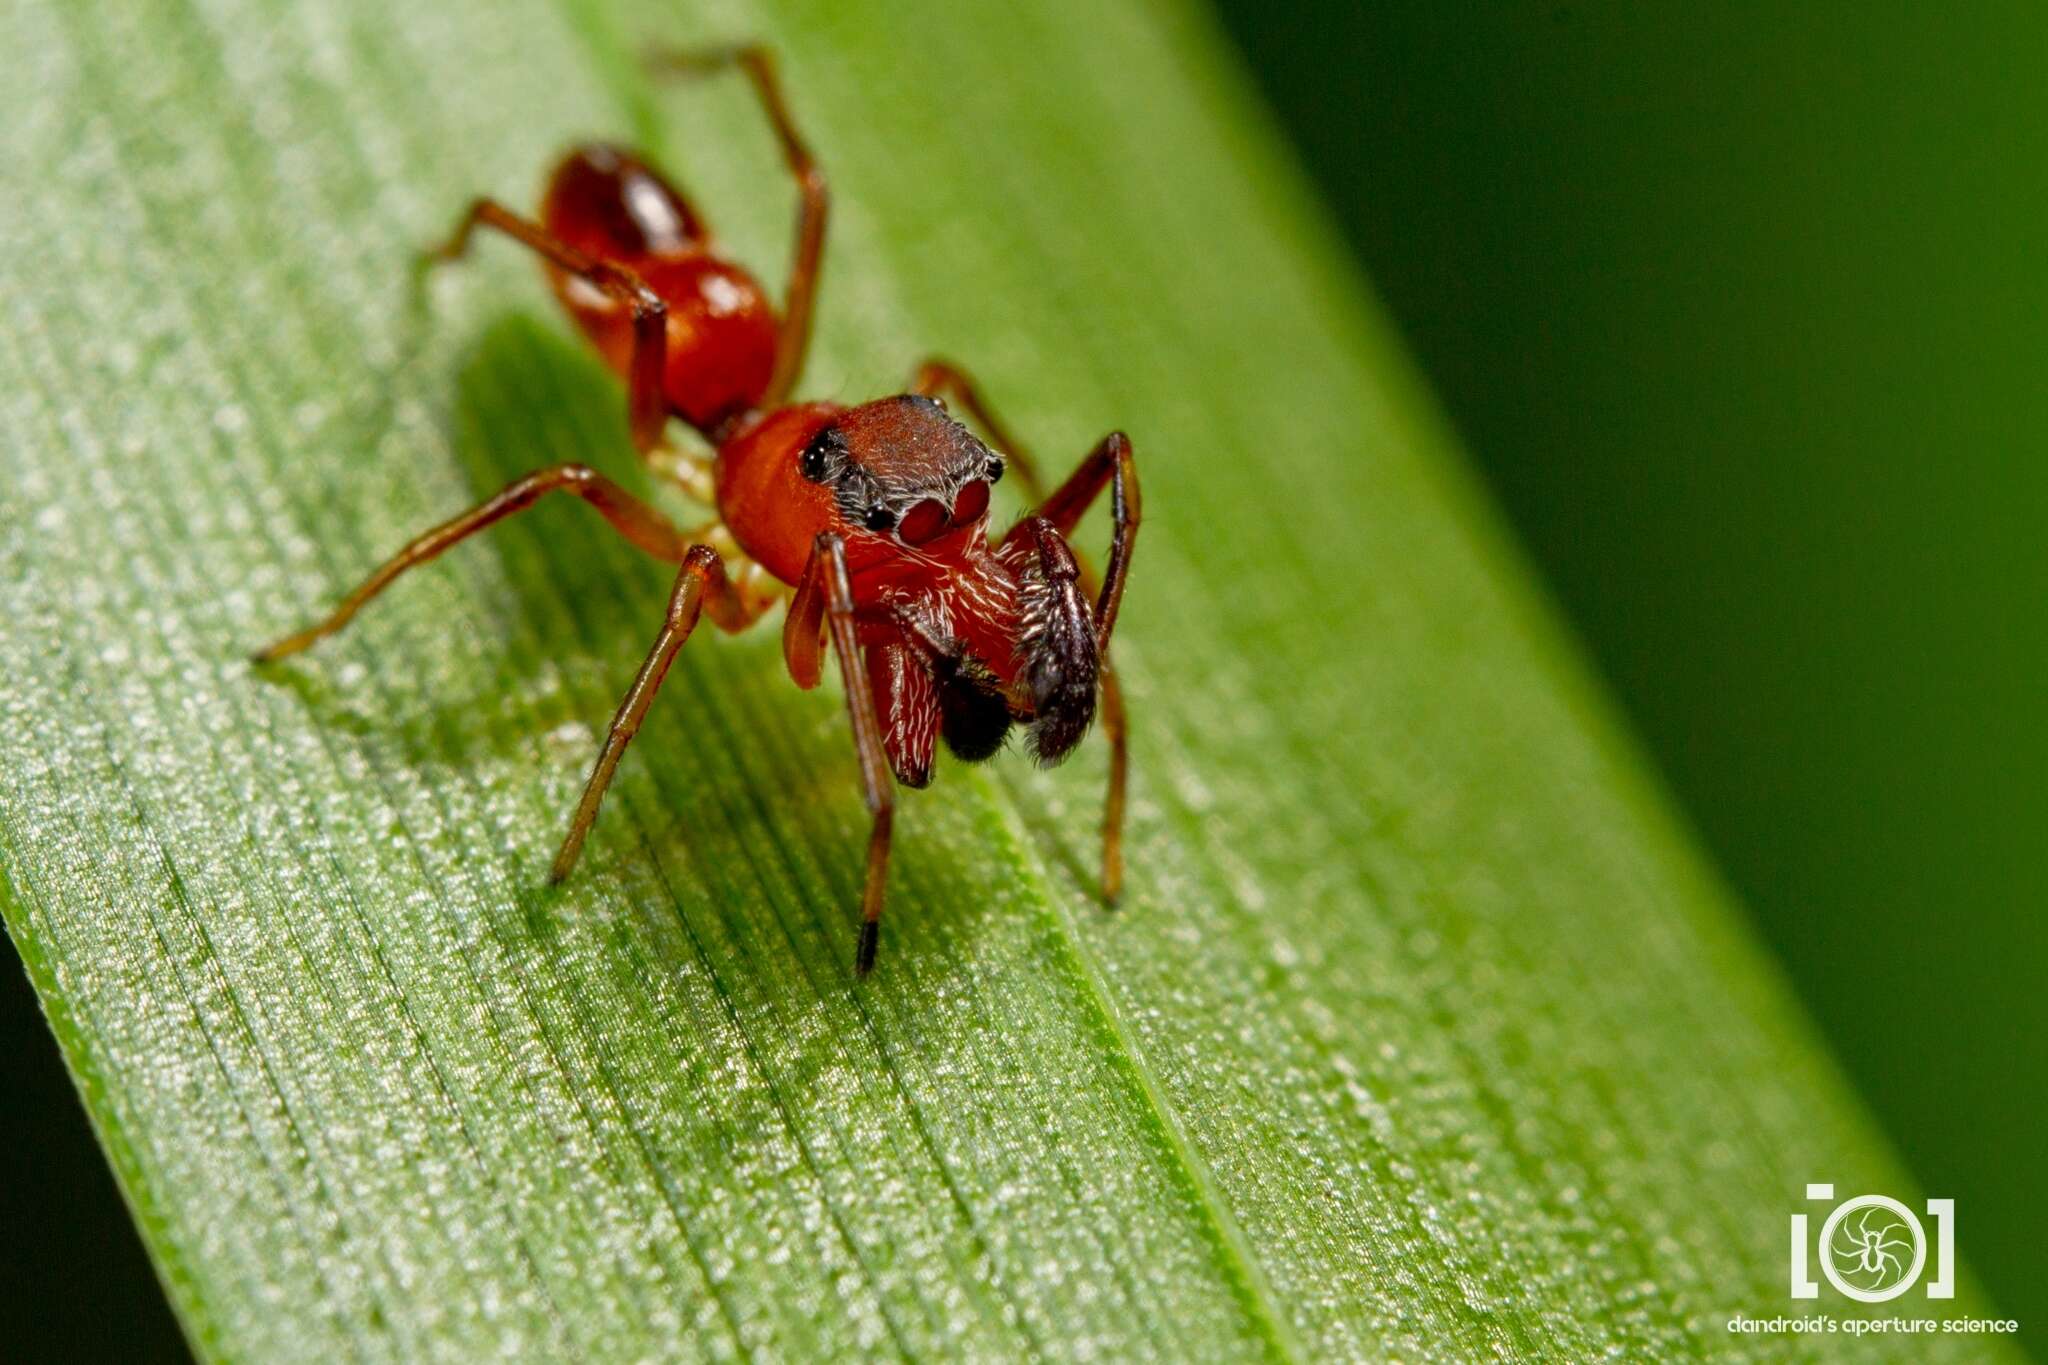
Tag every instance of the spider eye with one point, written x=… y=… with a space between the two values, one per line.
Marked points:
x=971 y=504
x=880 y=518
x=994 y=472
x=924 y=522
x=816 y=461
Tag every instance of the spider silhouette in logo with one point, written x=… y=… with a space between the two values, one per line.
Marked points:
x=1871 y=1255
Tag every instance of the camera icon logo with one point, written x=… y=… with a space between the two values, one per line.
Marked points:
x=1873 y=1248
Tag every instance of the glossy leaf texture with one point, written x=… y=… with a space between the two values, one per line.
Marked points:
x=1422 y=1032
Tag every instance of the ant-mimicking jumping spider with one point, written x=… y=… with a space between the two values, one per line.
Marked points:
x=871 y=520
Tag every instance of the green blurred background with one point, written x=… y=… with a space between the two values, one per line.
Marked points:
x=1742 y=312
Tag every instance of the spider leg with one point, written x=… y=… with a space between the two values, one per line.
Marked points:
x=700 y=583
x=813 y=200
x=938 y=377
x=1110 y=465
x=632 y=518
x=646 y=401
x=824 y=601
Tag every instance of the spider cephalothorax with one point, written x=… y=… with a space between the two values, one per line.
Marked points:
x=901 y=466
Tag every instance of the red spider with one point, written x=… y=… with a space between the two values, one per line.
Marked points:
x=876 y=515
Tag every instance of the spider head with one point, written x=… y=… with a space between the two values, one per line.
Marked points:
x=900 y=469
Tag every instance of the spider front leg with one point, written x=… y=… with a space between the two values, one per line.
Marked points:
x=813 y=199
x=701 y=583
x=824 y=599
x=1110 y=463
x=646 y=402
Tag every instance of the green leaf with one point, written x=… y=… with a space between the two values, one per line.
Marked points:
x=1422 y=1032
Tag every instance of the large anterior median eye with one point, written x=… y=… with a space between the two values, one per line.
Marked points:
x=923 y=522
x=972 y=502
